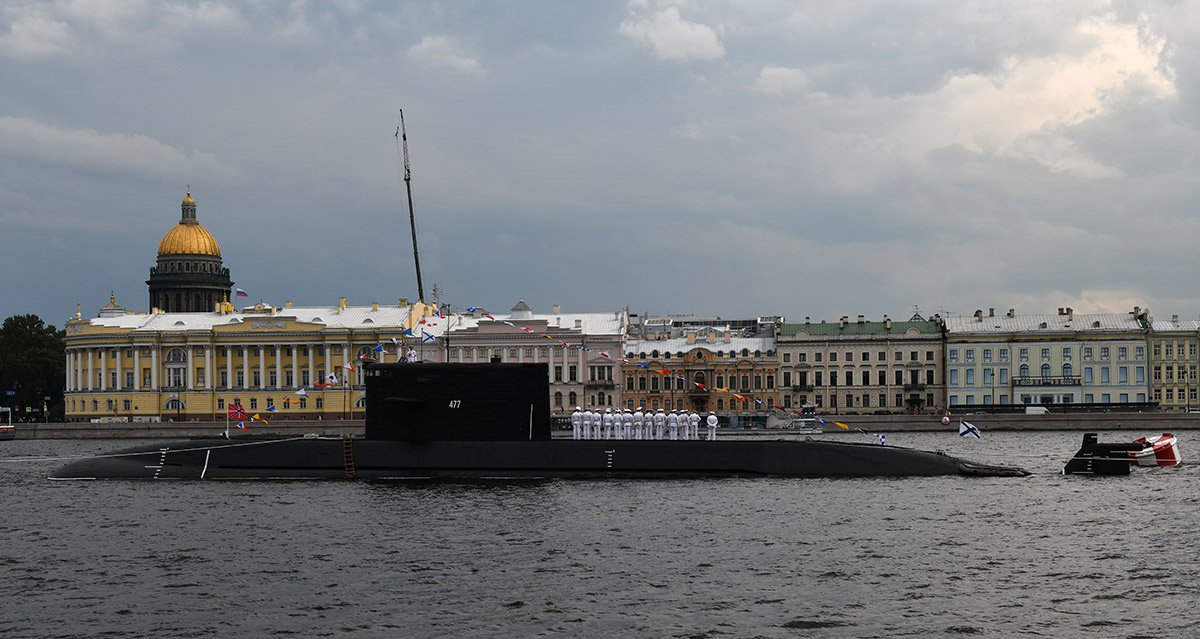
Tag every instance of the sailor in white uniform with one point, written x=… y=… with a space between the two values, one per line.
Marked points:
x=627 y=424
x=585 y=424
x=637 y=423
x=660 y=422
x=608 y=423
x=712 y=425
x=576 y=423
x=597 y=424
x=693 y=426
x=673 y=425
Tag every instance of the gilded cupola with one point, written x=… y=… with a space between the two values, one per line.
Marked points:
x=189 y=237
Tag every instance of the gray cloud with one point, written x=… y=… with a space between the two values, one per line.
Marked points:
x=738 y=159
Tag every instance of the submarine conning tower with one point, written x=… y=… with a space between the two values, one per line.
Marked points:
x=458 y=402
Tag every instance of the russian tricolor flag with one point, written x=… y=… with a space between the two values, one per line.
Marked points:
x=240 y=293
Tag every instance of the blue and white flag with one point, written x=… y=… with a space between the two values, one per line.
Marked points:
x=882 y=439
x=967 y=429
x=426 y=337
x=378 y=348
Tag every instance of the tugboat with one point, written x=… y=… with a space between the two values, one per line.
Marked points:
x=493 y=421
x=1095 y=458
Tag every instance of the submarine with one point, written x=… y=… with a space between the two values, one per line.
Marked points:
x=472 y=421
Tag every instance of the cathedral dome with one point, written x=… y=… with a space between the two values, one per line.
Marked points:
x=189 y=237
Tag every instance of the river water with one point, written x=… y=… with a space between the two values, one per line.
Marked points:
x=1042 y=556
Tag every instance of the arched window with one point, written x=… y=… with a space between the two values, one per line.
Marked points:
x=1024 y=371
x=1045 y=371
x=1067 y=370
x=572 y=398
x=558 y=397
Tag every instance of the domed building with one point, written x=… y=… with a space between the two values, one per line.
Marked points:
x=189 y=276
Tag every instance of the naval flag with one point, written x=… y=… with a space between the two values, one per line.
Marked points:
x=967 y=429
x=426 y=337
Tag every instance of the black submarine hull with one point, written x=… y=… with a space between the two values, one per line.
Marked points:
x=336 y=458
x=493 y=420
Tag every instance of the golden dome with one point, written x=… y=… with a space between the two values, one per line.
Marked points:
x=189 y=239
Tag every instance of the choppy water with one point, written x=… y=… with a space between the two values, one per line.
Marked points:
x=1043 y=556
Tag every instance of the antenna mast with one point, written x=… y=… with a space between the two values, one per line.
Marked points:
x=412 y=220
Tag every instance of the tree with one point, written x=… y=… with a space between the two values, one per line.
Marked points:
x=32 y=365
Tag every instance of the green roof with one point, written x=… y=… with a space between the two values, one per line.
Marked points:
x=853 y=328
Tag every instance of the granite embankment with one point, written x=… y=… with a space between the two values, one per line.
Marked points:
x=1148 y=422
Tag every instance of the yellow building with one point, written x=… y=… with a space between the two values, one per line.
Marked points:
x=190 y=366
x=193 y=354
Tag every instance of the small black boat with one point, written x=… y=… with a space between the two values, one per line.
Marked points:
x=493 y=420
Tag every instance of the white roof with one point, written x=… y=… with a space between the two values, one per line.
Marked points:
x=680 y=344
x=1175 y=326
x=356 y=318
x=1033 y=324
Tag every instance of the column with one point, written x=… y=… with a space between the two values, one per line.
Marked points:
x=154 y=367
x=208 y=366
x=262 y=367
x=120 y=385
x=189 y=381
x=278 y=366
x=103 y=369
x=328 y=361
x=296 y=364
x=245 y=366
x=228 y=367
x=137 y=368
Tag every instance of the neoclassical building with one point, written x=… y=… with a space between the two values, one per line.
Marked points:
x=1062 y=358
x=680 y=363
x=194 y=354
x=863 y=366
x=189 y=276
x=1173 y=344
x=190 y=366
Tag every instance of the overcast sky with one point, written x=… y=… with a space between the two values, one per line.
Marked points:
x=735 y=158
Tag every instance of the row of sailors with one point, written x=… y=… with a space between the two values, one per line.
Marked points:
x=636 y=424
